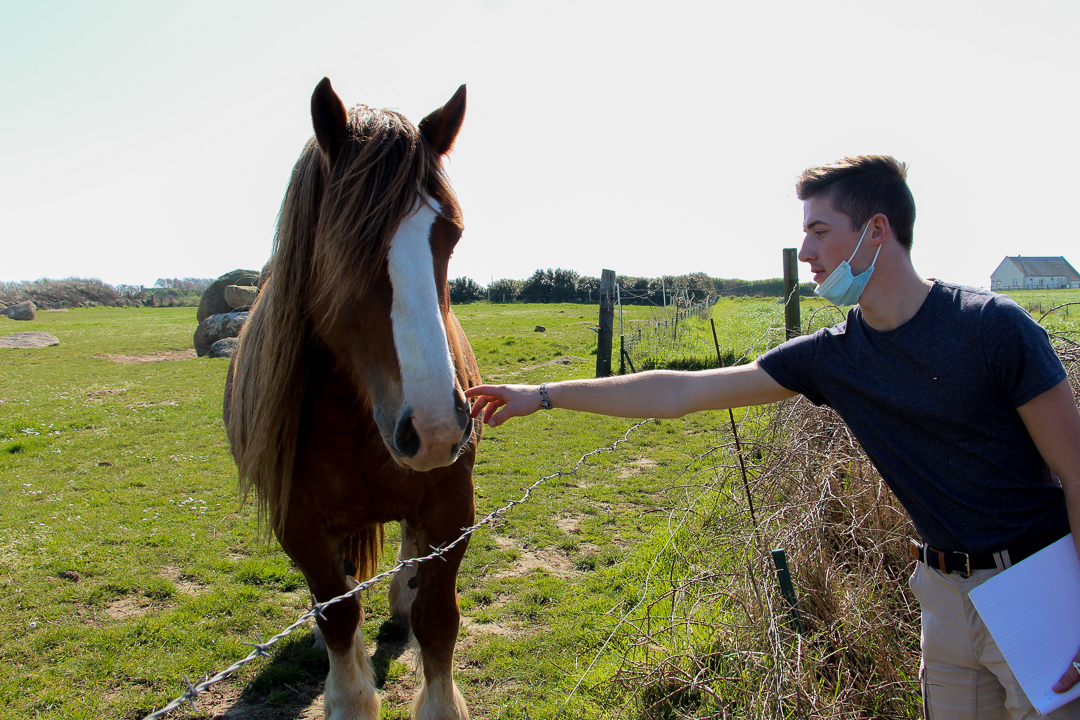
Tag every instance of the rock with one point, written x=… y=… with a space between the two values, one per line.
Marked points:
x=26 y=310
x=224 y=348
x=539 y=328
x=217 y=327
x=33 y=339
x=213 y=298
x=240 y=297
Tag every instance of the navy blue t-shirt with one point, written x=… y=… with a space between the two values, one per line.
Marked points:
x=933 y=403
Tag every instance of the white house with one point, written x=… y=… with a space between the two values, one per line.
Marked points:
x=1021 y=273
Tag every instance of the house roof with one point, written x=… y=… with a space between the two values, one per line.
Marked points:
x=1045 y=267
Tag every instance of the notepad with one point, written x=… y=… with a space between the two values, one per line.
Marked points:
x=1032 y=610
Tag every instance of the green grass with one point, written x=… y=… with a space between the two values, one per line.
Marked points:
x=120 y=476
x=127 y=560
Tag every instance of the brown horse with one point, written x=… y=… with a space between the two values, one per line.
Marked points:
x=344 y=404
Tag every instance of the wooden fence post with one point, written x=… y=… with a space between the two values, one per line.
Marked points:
x=607 y=322
x=792 y=321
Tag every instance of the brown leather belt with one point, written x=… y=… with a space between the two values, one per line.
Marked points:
x=954 y=561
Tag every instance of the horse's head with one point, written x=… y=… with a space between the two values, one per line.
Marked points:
x=387 y=223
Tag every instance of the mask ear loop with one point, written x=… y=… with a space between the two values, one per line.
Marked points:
x=861 y=238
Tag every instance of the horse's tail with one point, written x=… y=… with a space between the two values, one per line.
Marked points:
x=362 y=550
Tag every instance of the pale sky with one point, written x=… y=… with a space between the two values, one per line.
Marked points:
x=141 y=140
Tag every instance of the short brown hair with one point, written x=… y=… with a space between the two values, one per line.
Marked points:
x=860 y=187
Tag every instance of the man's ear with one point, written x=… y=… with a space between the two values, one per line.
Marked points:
x=879 y=229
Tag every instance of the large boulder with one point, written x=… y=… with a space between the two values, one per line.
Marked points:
x=224 y=348
x=240 y=297
x=218 y=327
x=213 y=298
x=26 y=310
x=31 y=339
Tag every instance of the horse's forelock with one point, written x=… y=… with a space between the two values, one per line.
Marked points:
x=374 y=184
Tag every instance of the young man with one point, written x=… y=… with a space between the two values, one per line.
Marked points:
x=955 y=394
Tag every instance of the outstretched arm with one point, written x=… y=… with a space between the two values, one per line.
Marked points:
x=658 y=393
x=1053 y=422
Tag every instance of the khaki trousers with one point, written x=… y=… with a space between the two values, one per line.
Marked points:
x=964 y=675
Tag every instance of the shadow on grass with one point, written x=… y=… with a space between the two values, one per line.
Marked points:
x=287 y=685
x=290 y=683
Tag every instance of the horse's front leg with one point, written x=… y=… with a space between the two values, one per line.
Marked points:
x=435 y=615
x=403 y=584
x=350 y=686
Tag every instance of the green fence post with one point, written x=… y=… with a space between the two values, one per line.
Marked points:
x=786 y=587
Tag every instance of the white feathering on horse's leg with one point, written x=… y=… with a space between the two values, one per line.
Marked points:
x=350 y=687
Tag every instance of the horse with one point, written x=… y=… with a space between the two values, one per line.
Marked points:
x=344 y=402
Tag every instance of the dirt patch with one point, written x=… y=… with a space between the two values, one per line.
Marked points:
x=151 y=404
x=570 y=524
x=125 y=608
x=636 y=467
x=101 y=393
x=166 y=356
x=182 y=583
x=489 y=628
x=555 y=562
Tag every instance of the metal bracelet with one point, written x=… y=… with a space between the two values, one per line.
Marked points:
x=544 y=401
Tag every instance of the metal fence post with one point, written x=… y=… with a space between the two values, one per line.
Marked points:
x=792 y=321
x=607 y=322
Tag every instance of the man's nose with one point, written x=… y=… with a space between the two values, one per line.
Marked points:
x=806 y=254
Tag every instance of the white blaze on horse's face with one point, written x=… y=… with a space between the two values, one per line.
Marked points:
x=432 y=426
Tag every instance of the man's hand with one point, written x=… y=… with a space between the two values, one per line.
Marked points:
x=1070 y=678
x=499 y=403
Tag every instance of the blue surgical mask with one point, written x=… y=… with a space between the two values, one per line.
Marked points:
x=843 y=288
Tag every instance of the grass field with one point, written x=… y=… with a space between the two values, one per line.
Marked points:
x=128 y=562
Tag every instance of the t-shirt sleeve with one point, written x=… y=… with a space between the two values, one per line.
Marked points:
x=790 y=365
x=1019 y=356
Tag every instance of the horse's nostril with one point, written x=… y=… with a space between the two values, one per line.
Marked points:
x=461 y=410
x=406 y=439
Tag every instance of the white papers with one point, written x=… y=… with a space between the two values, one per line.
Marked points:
x=1032 y=610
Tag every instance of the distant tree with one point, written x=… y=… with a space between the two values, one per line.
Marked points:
x=588 y=289
x=539 y=287
x=189 y=283
x=466 y=290
x=564 y=284
x=504 y=290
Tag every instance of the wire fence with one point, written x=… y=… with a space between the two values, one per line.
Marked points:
x=711 y=636
x=260 y=649
x=680 y=337
x=708 y=635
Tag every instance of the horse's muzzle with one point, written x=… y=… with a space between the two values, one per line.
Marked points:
x=428 y=448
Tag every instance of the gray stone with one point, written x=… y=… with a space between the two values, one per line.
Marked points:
x=224 y=348
x=26 y=310
x=213 y=298
x=33 y=339
x=217 y=327
x=539 y=328
x=240 y=297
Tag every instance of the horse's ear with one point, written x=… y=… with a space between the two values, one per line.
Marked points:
x=330 y=119
x=441 y=127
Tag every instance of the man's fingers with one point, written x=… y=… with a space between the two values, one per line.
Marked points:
x=1070 y=678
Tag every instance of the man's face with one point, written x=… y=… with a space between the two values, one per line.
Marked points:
x=829 y=240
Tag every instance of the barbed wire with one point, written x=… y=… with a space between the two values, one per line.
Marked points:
x=261 y=649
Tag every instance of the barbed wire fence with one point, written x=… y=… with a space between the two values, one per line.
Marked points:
x=703 y=640
x=260 y=649
x=819 y=497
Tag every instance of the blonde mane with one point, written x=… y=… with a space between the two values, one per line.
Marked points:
x=333 y=235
